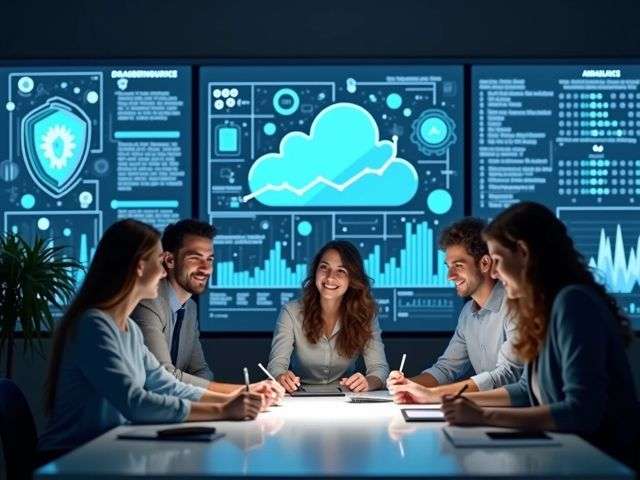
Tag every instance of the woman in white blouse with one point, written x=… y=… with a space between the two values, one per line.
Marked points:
x=322 y=335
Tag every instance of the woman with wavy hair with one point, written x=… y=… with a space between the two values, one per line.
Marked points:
x=572 y=337
x=323 y=334
x=101 y=374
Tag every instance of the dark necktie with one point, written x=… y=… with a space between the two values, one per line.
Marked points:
x=175 y=339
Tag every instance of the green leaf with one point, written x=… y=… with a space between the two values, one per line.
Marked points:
x=33 y=278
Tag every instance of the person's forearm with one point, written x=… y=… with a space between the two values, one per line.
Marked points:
x=201 y=412
x=454 y=388
x=214 y=397
x=374 y=382
x=426 y=380
x=498 y=397
x=528 y=418
x=226 y=388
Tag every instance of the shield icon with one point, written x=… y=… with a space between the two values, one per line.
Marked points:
x=55 y=140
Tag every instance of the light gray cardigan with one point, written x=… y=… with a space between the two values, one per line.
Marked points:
x=320 y=363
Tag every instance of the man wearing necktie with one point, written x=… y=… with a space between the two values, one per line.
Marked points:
x=169 y=322
x=175 y=339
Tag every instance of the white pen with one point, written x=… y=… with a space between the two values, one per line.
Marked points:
x=246 y=378
x=266 y=372
x=404 y=357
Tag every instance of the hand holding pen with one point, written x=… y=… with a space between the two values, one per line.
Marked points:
x=396 y=377
x=459 y=410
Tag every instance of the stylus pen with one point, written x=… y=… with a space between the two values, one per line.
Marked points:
x=404 y=357
x=266 y=372
x=460 y=392
x=246 y=378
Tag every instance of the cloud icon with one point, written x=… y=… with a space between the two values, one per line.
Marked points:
x=341 y=162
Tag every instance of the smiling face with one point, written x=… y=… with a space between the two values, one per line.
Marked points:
x=192 y=265
x=463 y=270
x=150 y=271
x=332 y=277
x=509 y=267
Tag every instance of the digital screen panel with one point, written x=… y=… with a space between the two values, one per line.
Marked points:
x=81 y=148
x=566 y=136
x=292 y=157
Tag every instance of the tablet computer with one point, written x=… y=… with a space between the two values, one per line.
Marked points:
x=318 y=391
x=422 y=415
x=368 y=398
x=183 y=434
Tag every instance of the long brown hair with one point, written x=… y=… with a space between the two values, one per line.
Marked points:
x=111 y=277
x=357 y=309
x=553 y=264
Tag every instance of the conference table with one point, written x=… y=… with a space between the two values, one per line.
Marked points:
x=328 y=437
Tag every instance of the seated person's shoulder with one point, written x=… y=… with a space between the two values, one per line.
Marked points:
x=151 y=303
x=579 y=307
x=293 y=309
x=572 y=296
x=94 y=322
x=149 y=309
x=466 y=310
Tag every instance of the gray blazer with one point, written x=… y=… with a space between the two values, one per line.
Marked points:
x=154 y=317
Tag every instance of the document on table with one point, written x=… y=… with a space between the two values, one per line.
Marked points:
x=497 y=437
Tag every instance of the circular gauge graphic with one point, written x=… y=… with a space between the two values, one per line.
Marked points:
x=433 y=132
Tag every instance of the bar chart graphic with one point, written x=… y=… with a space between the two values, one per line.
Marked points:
x=273 y=273
x=417 y=265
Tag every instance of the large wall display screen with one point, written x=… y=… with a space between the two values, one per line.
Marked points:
x=292 y=157
x=83 y=147
x=566 y=136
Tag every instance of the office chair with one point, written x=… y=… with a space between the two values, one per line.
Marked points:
x=17 y=431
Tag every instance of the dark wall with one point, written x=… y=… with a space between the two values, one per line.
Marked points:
x=320 y=29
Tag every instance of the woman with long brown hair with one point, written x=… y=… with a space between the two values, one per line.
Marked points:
x=101 y=375
x=571 y=334
x=323 y=334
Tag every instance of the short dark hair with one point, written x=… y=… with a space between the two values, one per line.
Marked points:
x=468 y=233
x=173 y=235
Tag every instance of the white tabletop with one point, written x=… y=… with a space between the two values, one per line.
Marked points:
x=328 y=437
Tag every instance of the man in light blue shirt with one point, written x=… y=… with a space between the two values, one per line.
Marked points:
x=480 y=353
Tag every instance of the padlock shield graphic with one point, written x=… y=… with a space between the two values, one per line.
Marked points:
x=55 y=139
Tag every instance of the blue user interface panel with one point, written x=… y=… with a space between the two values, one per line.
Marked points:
x=292 y=157
x=83 y=147
x=566 y=136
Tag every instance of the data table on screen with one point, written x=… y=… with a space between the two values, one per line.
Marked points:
x=566 y=136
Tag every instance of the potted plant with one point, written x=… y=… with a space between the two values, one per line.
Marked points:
x=33 y=279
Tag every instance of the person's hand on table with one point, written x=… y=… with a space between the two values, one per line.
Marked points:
x=356 y=383
x=396 y=377
x=272 y=391
x=289 y=381
x=243 y=406
x=265 y=393
x=412 y=392
x=462 y=411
